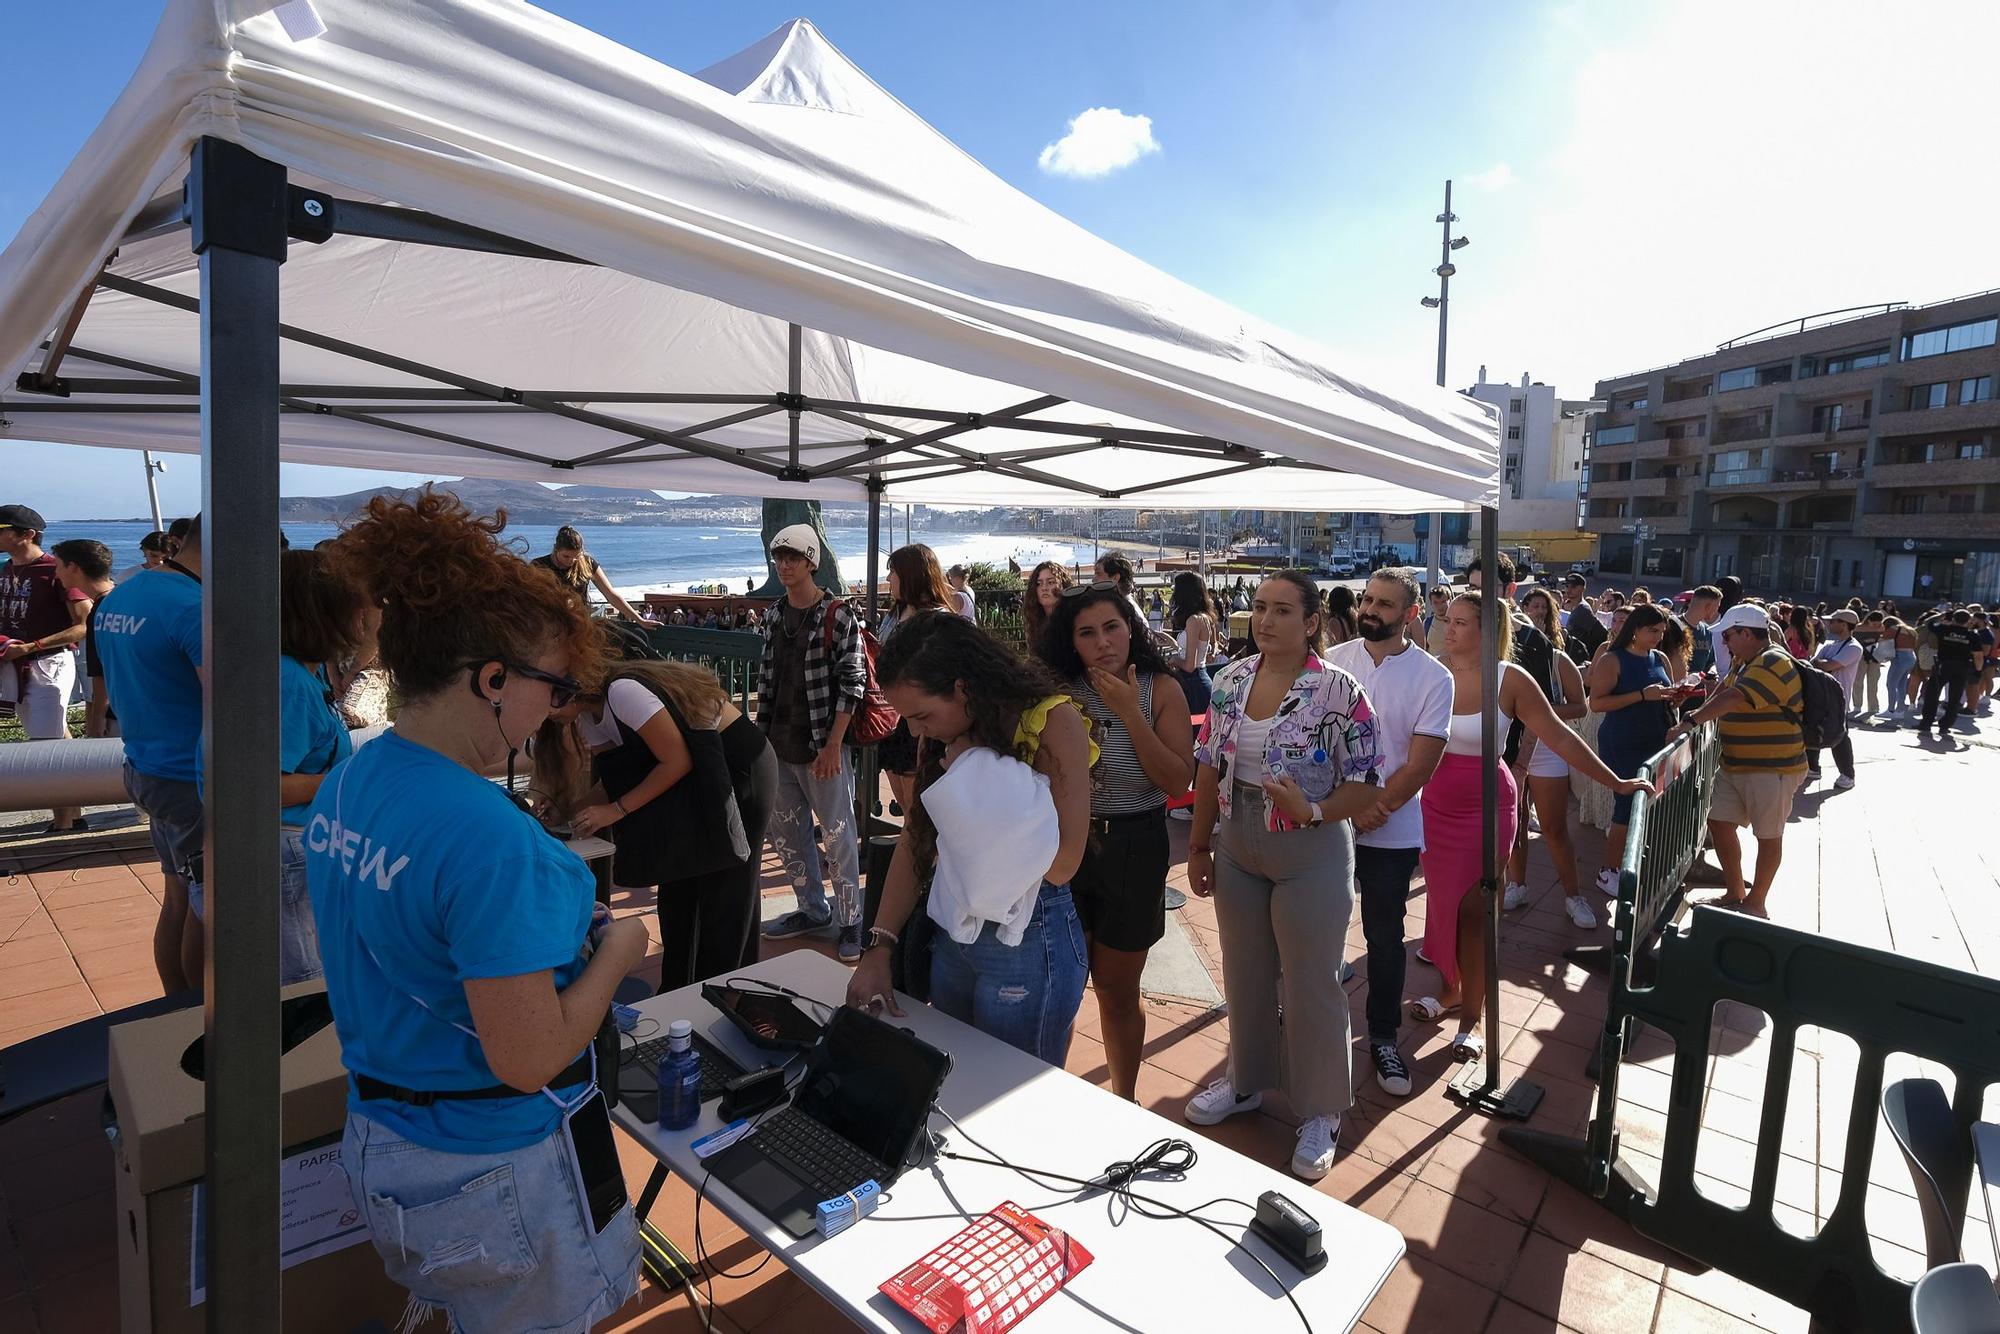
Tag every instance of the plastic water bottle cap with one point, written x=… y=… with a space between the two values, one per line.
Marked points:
x=680 y=1033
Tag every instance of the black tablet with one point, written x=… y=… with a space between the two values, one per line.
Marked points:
x=766 y=1018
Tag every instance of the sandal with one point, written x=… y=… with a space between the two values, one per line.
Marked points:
x=1467 y=1047
x=1429 y=1009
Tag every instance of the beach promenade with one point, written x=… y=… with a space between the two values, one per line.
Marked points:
x=1899 y=863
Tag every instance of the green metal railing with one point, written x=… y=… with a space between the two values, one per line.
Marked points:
x=733 y=655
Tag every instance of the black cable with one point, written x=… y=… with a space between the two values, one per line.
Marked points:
x=1167 y=1155
x=709 y=1272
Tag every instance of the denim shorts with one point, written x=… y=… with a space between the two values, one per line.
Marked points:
x=298 y=934
x=1026 y=995
x=173 y=810
x=498 y=1242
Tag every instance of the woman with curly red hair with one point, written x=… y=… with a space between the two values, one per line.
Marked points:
x=465 y=971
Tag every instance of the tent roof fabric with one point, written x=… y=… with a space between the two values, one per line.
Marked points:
x=1004 y=354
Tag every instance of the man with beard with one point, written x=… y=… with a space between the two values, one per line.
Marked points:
x=1410 y=692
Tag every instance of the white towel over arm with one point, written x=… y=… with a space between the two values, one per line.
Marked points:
x=996 y=833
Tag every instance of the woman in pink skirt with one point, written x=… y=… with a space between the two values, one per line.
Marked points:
x=1452 y=859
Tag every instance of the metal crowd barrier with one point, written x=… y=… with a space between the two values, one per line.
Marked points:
x=1881 y=1001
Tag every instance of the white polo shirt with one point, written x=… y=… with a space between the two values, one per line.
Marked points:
x=1410 y=693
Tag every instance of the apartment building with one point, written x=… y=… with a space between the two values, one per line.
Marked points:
x=1541 y=466
x=1853 y=453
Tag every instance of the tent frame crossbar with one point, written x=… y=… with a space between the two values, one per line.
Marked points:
x=316 y=216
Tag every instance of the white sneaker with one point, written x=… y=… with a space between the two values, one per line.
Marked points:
x=1313 y=1158
x=1842 y=783
x=1515 y=897
x=1607 y=881
x=1218 y=1102
x=1579 y=911
x=1185 y=814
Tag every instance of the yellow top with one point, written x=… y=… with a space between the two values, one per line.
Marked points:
x=1028 y=732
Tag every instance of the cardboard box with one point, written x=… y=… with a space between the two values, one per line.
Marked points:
x=160 y=1159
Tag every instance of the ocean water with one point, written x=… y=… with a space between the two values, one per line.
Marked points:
x=668 y=559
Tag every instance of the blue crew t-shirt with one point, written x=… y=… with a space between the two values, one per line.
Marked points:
x=312 y=737
x=148 y=633
x=444 y=880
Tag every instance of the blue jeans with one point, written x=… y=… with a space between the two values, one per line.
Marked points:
x=1900 y=668
x=497 y=1242
x=1026 y=995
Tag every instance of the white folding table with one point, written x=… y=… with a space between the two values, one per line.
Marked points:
x=1148 y=1275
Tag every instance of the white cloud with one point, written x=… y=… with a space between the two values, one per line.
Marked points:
x=1496 y=177
x=1100 y=141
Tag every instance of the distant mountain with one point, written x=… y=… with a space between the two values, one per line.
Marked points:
x=527 y=503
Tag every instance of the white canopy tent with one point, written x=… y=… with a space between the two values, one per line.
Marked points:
x=777 y=226
x=503 y=245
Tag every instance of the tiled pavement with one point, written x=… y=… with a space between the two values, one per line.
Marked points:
x=1493 y=1244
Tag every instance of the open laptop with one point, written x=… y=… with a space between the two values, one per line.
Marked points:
x=864 y=1099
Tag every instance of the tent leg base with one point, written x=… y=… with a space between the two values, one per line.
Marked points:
x=1512 y=1101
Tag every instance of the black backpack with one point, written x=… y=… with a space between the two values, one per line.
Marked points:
x=1824 y=716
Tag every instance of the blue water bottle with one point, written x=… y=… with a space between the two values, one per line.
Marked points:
x=680 y=1079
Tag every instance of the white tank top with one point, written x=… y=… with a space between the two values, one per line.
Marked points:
x=1465 y=735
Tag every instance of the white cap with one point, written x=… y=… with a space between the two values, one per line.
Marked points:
x=1744 y=616
x=680 y=1033
x=801 y=538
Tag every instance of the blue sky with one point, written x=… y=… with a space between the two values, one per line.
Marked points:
x=1640 y=182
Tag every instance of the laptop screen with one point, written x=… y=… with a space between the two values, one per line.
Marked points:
x=873 y=1084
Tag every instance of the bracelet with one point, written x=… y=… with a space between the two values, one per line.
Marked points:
x=880 y=935
x=619 y=802
x=1194 y=848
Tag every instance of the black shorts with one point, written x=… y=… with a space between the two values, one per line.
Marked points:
x=1121 y=888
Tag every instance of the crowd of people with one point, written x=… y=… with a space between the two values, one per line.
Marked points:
x=1321 y=761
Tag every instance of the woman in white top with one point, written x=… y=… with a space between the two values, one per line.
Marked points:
x=1547 y=775
x=1453 y=861
x=1192 y=620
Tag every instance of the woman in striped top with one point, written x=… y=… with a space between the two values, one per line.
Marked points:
x=1139 y=719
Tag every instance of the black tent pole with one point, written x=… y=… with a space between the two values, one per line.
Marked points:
x=237 y=207
x=1478 y=1085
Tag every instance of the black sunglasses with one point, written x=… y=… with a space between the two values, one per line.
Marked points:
x=1101 y=586
x=562 y=689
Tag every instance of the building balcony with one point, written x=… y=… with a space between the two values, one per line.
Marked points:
x=1938 y=421
x=1849 y=433
x=1945 y=472
x=1615 y=453
x=1628 y=488
x=1985 y=525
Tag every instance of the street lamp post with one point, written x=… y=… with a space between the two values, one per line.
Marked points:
x=1441 y=303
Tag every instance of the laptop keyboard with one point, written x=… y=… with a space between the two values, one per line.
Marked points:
x=825 y=1161
x=717 y=1069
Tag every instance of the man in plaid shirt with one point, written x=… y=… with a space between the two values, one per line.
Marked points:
x=810 y=684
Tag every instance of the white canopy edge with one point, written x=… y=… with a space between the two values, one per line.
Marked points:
x=781 y=187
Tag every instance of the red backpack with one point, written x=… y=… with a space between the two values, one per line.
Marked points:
x=876 y=718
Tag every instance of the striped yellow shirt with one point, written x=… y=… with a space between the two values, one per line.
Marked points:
x=1762 y=734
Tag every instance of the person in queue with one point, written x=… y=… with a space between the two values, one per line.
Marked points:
x=1139 y=718
x=148 y=631
x=1341 y=607
x=1454 y=824
x=320 y=618
x=1902 y=640
x=1631 y=685
x=1841 y=656
x=84 y=567
x=1113 y=568
x=1704 y=608
x=466 y=975
x=1038 y=603
x=1286 y=759
x=916 y=588
x=962 y=600
x=1757 y=710
x=1582 y=631
x=1547 y=776
x=1410 y=692
x=963 y=692
x=688 y=781
x=810 y=683
x=41 y=621
x=576 y=570
x=1192 y=621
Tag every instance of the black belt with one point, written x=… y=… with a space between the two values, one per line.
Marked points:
x=1101 y=824
x=371 y=1088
